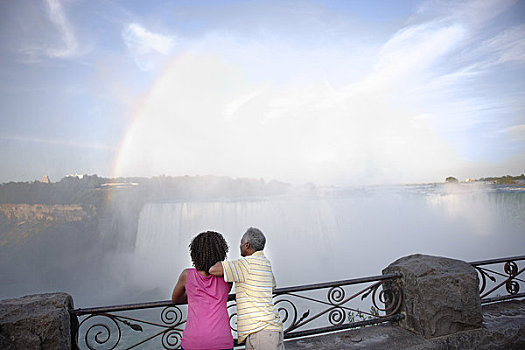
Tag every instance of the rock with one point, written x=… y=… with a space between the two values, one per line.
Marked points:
x=6 y=343
x=440 y=295
x=39 y=321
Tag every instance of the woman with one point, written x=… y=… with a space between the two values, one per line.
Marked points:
x=208 y=324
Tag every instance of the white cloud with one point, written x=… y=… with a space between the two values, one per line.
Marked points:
x=68 y=143
x=59 y=19
x=472 y=12
x=331 y=118
x=232 y=107
x=39 y=30
x=413 y=50
x=145 y=46
x=294 y=133
x=516 y=132
x=507 y=46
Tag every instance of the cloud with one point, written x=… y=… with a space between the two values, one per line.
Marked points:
x=301 y=133
x=56 y=142
x=410 y=111
x=508 y=46
x=70 y=45
x=473 y=12
x=146 y=47
x=516 y=132
x=440 y=66
x=39 y=30
x=232 y=107
x=412 y=51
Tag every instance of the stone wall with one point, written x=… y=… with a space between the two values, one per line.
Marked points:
x=39 y=321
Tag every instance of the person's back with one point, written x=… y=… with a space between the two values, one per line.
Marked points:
x=258 y=323
x=254 y=293
x=208 y=324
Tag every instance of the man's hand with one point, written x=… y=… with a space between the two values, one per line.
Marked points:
x=217 y=269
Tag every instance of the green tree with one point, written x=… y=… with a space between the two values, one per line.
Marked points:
x=451 y=179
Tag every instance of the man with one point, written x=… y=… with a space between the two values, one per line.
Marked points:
x=258 y=322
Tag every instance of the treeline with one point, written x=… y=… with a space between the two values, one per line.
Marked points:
x=69 y=190
x=205 y=187
x=93 y=190
x=505 y=180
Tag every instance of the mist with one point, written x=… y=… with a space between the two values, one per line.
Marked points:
x=337 y=95
x=135 y=251
x=331 y=235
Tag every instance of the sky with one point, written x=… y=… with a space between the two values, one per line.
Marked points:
x=327 y=92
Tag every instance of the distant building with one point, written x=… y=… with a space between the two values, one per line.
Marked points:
x=46 y=180
x=469 y=180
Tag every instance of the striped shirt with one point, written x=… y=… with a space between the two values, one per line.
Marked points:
x=254 y=284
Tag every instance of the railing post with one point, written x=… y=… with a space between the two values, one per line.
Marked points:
x=440 y=295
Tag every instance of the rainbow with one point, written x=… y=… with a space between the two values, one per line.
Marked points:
x=137 y=115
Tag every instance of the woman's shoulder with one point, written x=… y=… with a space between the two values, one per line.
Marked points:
x=186 y=272
x=189 y=270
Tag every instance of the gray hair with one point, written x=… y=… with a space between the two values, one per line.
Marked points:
x=256 y=238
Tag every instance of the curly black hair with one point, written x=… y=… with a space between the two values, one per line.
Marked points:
x=206 y=249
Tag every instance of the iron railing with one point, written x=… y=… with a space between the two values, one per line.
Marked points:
x=304 y=310
x=503 y=275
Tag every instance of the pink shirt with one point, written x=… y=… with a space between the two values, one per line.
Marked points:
x=208 y=323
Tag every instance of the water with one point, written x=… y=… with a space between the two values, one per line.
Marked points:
x=317 y=236
x=338 y=233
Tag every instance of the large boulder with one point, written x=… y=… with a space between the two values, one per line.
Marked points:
x=39 y=321
x=440 y=295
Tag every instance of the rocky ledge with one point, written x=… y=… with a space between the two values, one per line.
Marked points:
x=39 y=321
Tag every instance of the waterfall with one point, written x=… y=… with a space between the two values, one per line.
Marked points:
x=342 y=234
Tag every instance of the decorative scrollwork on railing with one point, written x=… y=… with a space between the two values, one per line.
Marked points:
x=288 y=313
x=303 y=310
x=511 y=268
x=171 y=315
x=104 y=333
x=336 y=295
x=102 y=330
x=483 y=275
x=337 y=306
x=336 y=316
x=389 y=297
x=233 y=316
x=171 y=339
x=507 y=281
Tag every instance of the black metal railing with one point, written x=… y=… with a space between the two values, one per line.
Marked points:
x=304 y=310
x=503 y=276
x=343 y=306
